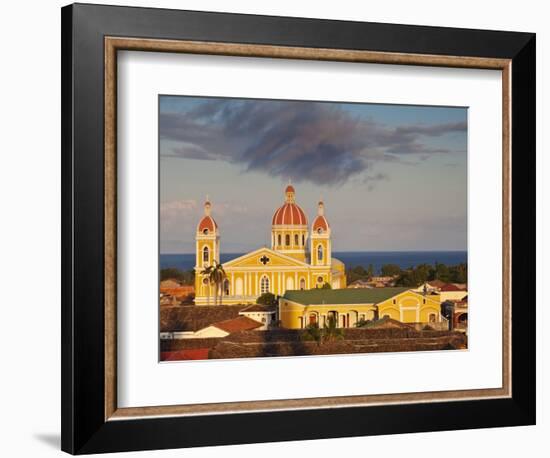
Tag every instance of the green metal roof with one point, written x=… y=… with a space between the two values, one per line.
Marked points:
x=342 y=296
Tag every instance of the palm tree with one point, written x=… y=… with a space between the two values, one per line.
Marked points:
x=328 y=333
x=313 y=332
x=216 y=275
x=331 y=331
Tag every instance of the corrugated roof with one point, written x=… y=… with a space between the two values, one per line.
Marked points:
x=343 y=296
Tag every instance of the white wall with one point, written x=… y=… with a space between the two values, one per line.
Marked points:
x=30 y=229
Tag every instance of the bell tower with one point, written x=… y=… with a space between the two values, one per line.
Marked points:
x=321 y=246
x=207 y=239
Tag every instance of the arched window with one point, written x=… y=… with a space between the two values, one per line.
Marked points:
x=320 y=253
x=303 y=239
x=279 y=240
x=226 y=287
x=287 y=240
x=296 y=239
x=264 y=285
x=205 y=231
x=205 y=254
x=302 y=284
x=432 y=317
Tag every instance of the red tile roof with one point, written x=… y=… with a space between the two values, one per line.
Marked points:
x=188 y=354
x=450 y=287
x=436 y=283
x=242 y=323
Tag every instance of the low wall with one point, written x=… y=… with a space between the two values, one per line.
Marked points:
x=226 y=349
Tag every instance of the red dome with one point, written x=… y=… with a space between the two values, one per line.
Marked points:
x=320 y=223
x=289 y=214
x=207 y=222
x=289 y=188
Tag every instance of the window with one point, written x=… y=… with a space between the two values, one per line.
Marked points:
x=296 y=239
x=287 y=240
x=264 y=285
x=319 y=230
x=279 y=240
x=423 y=301
x=205 y=231
x=303 y=239
x=432 y=317
x=394 y=301
x=226 y=287
x=205 y=281
x=302 y=284
x=319 y=279
x=205 y=254
x=320 y=253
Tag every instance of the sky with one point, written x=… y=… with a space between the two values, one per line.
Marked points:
x=393 y=177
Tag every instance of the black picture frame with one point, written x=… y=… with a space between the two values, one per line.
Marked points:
x=84 y=428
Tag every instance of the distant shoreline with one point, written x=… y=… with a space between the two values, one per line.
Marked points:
x=404 y=259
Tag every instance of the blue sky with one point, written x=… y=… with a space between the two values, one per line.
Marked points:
x=393 y=177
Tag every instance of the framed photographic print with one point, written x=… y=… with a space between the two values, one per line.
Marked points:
x=271 y=222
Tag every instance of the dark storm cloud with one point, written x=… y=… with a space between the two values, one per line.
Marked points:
x=316 y=142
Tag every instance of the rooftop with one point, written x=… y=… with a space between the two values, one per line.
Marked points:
x=242 y=323
x=343 y=296
x=259 y=308
x=451 y=287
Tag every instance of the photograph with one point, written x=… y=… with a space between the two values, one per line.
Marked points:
x=310 y=227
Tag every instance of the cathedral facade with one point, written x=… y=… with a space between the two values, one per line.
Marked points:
x=300 y=257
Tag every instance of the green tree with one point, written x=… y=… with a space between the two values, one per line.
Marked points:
x=370 y=271
x=331 y=331
x=442 y=272
x=459 y=273
x=185 y=277
x=267 y=299
x=362 y=322
x=328 y=333
x=356 y=273
x=390 y=270
x=313 y=332
x=215 y=275
x=326 y=285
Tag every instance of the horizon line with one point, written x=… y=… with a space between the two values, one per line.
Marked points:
x=348 y=251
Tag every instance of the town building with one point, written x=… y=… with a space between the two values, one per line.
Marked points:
x=298 y=309
x=265 y=314
x=300 y=257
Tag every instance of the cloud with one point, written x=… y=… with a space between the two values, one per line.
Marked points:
x=306 y=141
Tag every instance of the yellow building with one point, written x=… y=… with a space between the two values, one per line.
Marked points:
x=300 y=258
x=297 y=309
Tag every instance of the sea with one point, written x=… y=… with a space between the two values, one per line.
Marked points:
x=403 y=259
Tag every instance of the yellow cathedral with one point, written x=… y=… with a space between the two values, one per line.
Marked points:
x=300 y=257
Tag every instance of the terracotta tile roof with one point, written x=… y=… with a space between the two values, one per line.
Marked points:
x=242 y=323
x=188 y=354
x=450 y=287
x=436 y=283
